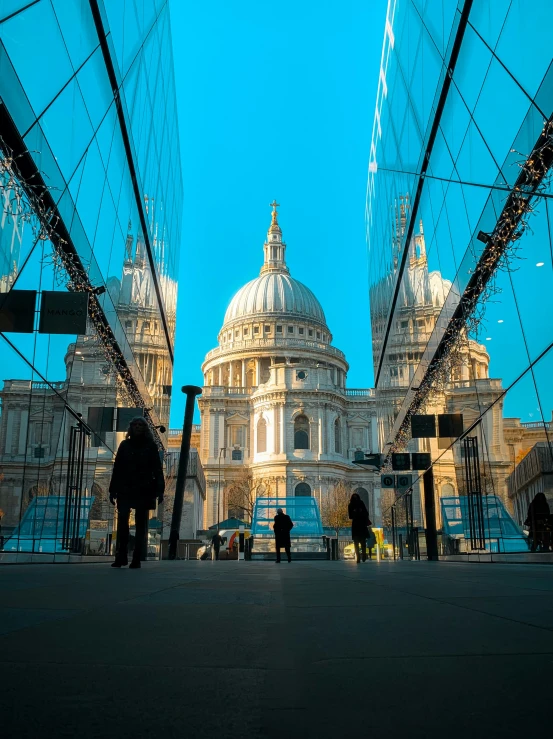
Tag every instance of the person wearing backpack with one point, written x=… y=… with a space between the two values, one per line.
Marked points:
x=282 y=527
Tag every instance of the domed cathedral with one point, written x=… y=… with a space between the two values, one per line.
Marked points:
x=276 y=413
x=421 y=298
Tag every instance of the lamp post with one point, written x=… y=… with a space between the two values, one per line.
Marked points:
x=222 y=450
x=190 y=391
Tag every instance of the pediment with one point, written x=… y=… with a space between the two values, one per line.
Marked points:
x=237 y=418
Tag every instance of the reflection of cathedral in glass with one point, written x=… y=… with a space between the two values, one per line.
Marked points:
x=134 y=298
x=34 y=427
x=91 y=202
x=426 y=301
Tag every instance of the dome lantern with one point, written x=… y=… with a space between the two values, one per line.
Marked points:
x=274 y=247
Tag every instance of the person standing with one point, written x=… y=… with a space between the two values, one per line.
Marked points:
x=371 y=542
x=216 y=542
x=282 y=527
x=537 y=521
x=360 y=523
x=136 y=481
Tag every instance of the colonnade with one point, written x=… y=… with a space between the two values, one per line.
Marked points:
x=236 y=373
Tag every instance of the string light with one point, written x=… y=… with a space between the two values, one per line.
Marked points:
x=501 y=247
x=24 y=201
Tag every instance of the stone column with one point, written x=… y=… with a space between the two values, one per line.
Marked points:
x=325 y=442
x=24 y=422
x=282 y=434
x=321 y=431
x=212 y=420
x=276 y=425
x=243 y=373
x=222 y=435
x=344 y=439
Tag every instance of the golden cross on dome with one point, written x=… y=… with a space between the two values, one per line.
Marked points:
x=274 y=205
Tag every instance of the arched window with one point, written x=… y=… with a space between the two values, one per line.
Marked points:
x=364 y=495
x=301 y=433
x=448 y=490
x=262 y=435
x=337 y=436
x=302 y=490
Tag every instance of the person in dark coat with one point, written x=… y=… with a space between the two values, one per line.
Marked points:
x=282 y=527
x=217 y=540
x=136 y=482
x=537 y=520
x=360 y=523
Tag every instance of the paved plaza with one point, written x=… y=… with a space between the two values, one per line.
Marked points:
x=239 y=649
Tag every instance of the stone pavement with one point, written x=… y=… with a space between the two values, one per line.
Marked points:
x=252 y=649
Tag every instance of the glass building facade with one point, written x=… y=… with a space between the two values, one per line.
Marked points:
x=460 y=237
x=91 y=191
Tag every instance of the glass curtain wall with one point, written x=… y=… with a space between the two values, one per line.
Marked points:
x=460 y=237
x=91 y=193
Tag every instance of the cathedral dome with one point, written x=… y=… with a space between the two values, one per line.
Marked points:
x=275 y=293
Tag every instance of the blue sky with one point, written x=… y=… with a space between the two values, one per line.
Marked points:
x=278 y=101
x=275 y=100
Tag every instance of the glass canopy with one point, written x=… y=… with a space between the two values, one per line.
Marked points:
x=303 y=511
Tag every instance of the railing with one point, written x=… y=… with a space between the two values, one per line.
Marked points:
x=196 y=428
x=220 y=390
x=28 y=385
x=537 y=425
x=48 y=385
x=493 y=383
x=233 y=346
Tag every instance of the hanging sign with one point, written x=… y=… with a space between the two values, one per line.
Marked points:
x=63 y=313
x=387 y=481
x=401 y=461
x=17 y=311
x=423 y=426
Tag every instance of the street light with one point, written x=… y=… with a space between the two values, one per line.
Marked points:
x=222 y=450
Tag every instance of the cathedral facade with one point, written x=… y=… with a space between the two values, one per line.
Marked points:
x=275 y=407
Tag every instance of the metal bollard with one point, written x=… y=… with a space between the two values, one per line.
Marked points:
x=378 y=552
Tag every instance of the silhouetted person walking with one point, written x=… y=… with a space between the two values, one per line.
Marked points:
x=537 y=521
x=360 y=523
x=136 y=482
x=216 y=541
x=282 y=527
